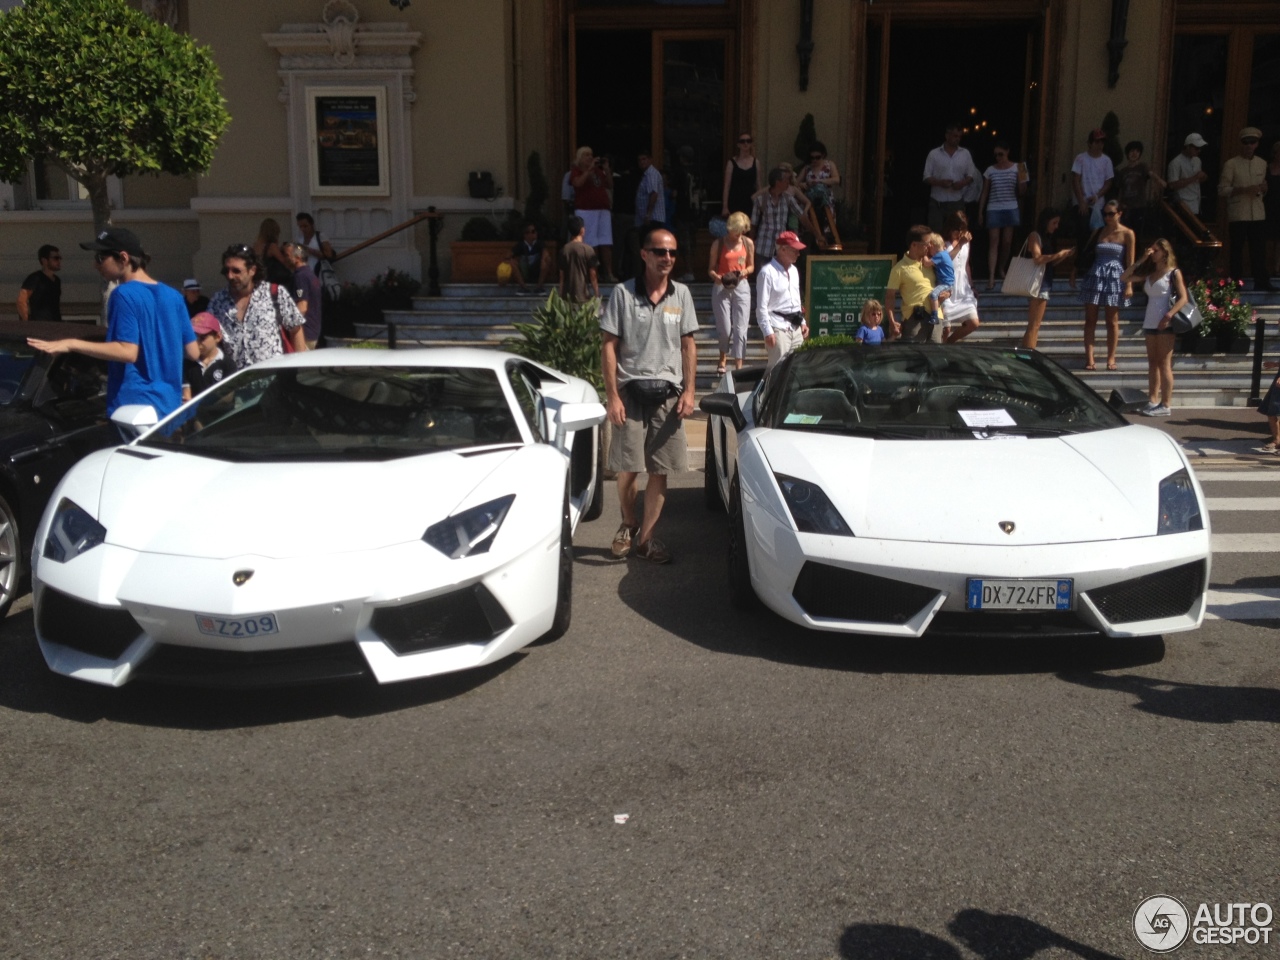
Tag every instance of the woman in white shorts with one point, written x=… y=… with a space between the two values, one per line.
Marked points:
x=1042 y=247
x=592 y=178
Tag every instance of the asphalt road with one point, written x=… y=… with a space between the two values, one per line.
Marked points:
x=788 y=794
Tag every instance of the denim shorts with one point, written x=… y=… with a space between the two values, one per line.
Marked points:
x=1003 y=218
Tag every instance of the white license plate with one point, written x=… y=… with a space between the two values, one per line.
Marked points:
x=257 y=626
x=1019 y=595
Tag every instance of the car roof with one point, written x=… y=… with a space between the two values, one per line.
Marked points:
x=11 y=330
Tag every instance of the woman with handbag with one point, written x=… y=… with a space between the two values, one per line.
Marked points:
x=1166 y=295
x=732 y=263
x=1042 y=250
x=1103 y=286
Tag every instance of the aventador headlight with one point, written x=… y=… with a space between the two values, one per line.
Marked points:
x=810 y=508
x=471 y=531
x=72 y=532
x=1179 y=508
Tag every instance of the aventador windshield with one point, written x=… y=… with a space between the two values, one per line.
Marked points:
x=343 y=413
x=908 y=391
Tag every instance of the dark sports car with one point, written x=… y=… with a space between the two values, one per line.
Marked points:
x=52 y=412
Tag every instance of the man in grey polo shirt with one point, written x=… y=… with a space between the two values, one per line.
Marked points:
x=649 y=361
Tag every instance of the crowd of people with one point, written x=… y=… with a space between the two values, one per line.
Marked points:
x=164 y=346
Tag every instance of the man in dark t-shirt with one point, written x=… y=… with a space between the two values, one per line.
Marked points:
x=578 y=266
x=41 y=295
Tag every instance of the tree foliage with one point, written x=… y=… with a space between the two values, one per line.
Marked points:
x=102 y=89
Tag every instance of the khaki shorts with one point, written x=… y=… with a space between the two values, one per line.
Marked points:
x=651 y=441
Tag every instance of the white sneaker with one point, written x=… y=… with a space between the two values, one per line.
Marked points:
x=1159 y=410
x=1147 y=407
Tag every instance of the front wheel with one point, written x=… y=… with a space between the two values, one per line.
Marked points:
x=597 y=496
x=741 y=594
x=711 y=476
x=564 y=588
x=10 y=557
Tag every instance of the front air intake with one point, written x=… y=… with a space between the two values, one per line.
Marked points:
x=469 y=615
x=1167 y=593
x=834 y=593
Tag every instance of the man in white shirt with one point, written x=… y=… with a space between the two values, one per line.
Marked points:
x=310 y=240
x=1185 y=175
x=1091 y=178
x=950 y=172
x=779 y=309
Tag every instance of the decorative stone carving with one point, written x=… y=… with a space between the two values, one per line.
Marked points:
x=340 y=18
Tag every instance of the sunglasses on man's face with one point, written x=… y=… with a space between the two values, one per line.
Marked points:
x=744 y=140
x=101 y=258
x=661 y=252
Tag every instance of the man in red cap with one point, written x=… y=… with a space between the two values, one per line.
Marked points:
x=779 y=310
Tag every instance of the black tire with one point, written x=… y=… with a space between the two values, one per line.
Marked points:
x=711 y=476
x=741 y=595
x=597 y=497
x=11 y=565
x=564 y=588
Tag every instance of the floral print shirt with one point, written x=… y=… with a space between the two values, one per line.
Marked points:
x=257 y=336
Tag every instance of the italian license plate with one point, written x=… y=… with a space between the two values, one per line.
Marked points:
x=258 y=626
x=1019 y=595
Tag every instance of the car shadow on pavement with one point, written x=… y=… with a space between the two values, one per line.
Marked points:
x=690 y=599
x=991 y=936
x=1188 y=701
x=26 y=684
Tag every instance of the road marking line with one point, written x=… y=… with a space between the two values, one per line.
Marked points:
x=1258 y=604
x=1242 y=503
x=1261 y=475
x=1245 y=543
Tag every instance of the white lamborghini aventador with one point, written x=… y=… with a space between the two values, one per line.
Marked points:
x=324 y=515
x=906 y=488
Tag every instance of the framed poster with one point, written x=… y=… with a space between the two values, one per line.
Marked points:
x=347 y=133
x=835 y=288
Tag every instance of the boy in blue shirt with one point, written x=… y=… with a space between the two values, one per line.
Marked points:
x=148 y=329
x=944 y=271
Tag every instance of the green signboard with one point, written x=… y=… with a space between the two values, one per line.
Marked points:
x=835 y=288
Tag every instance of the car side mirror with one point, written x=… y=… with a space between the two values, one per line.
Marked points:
x=724 y=405
x=572 y=417
x=135 y=418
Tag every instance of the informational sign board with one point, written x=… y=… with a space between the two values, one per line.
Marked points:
x=835 y=288
x=348 y=129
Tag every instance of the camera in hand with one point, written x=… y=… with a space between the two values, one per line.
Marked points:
x=731 y=278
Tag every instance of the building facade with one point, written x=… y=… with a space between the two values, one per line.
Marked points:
x=365 y=112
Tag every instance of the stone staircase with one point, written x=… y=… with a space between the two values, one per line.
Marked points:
x=484 y=315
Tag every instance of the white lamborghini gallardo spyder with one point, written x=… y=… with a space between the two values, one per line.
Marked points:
x=905 y=488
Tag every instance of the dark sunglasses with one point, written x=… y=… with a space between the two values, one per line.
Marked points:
x=1249 y=140
x=101 y=258
x=1111 y=213
x=661 y=251
x=744 y=140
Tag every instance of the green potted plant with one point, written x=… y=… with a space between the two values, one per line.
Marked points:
x=564 y=336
